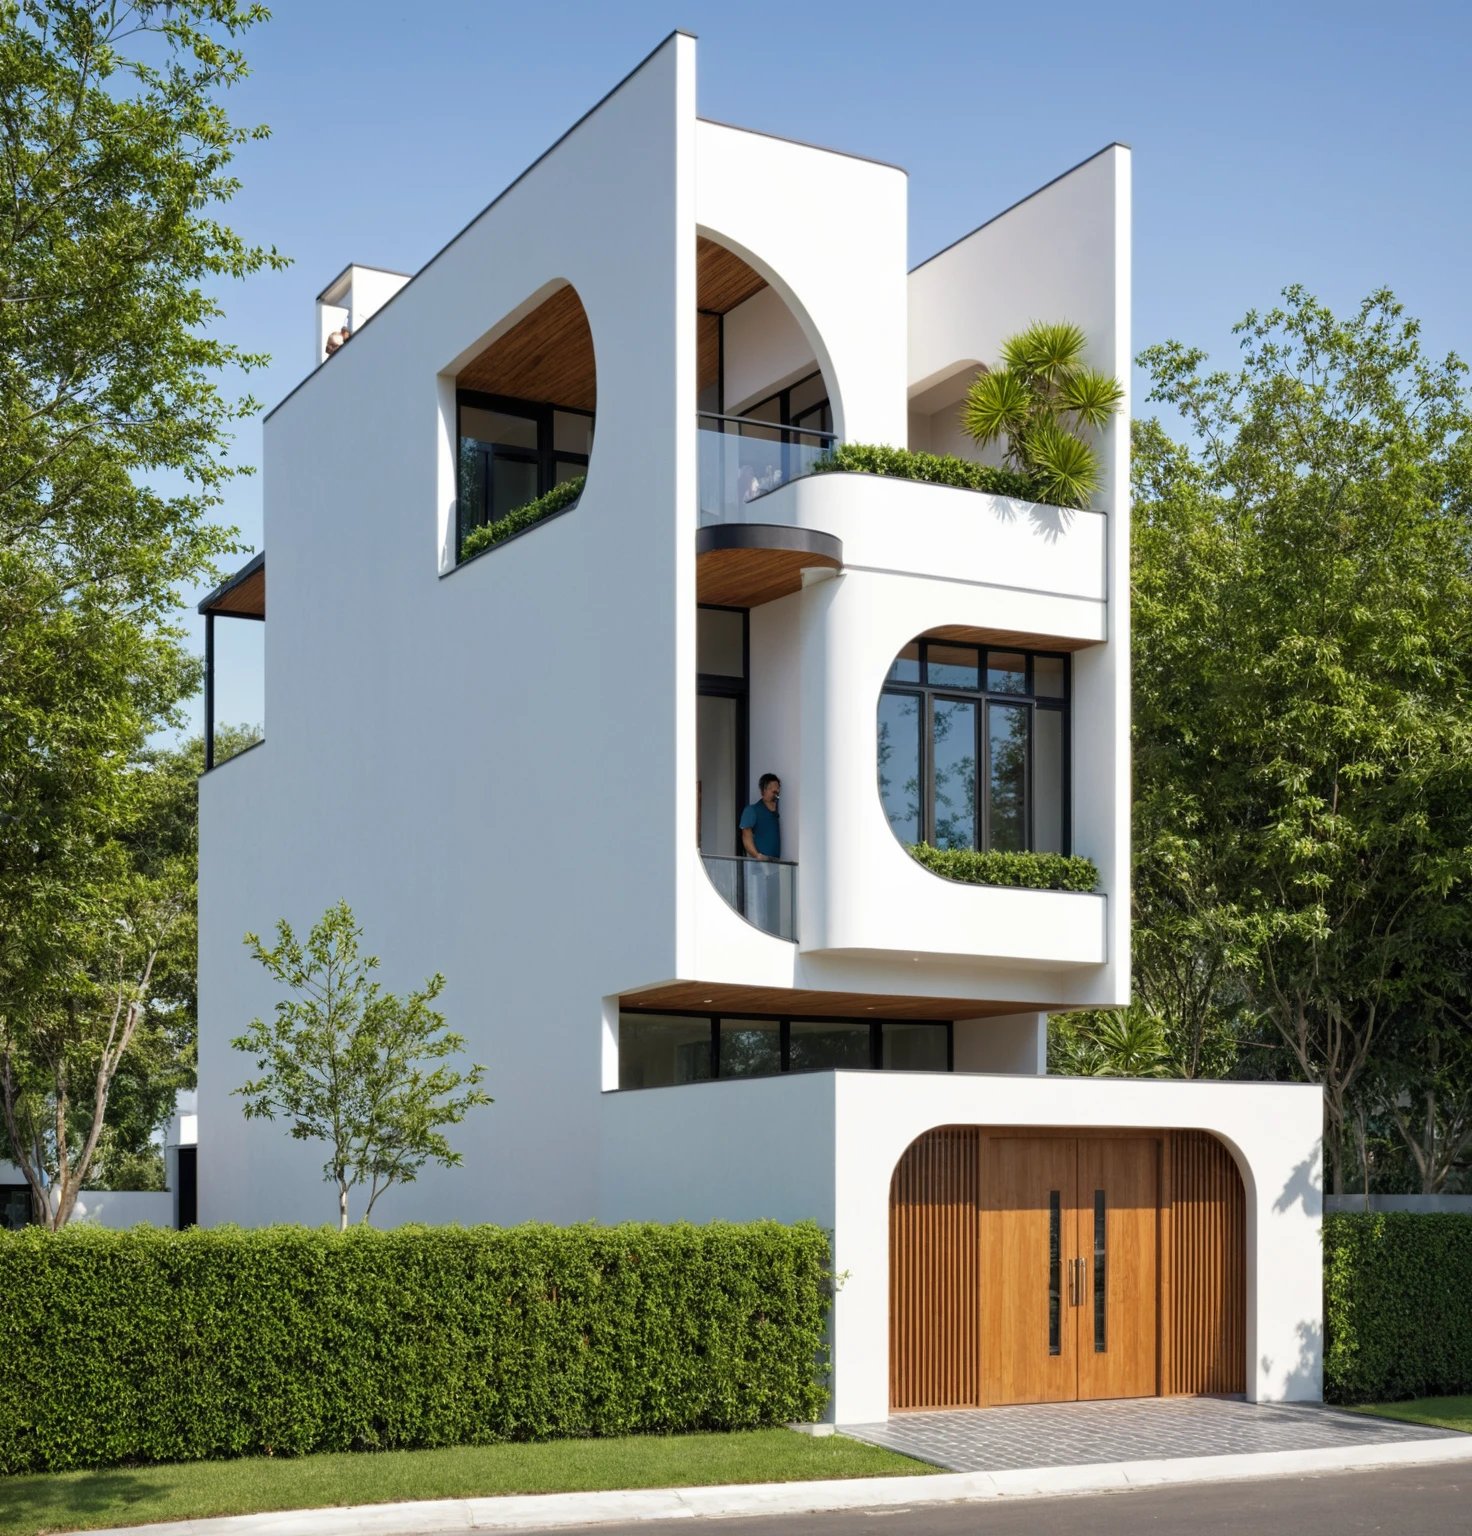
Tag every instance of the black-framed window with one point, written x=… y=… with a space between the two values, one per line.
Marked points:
x=512 y=451
x=722 y=729
x=974 y=747
x=665 y=1049
x=804 y=404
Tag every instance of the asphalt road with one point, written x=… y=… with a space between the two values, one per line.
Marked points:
x=1416 y=1501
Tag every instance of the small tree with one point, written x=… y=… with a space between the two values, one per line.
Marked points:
x=347 y=1063
x=1039 y=402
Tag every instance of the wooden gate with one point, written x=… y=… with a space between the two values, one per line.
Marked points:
x=937 y=1342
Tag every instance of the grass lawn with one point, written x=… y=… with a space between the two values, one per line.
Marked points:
x=65 y=1501
x=1444 y=1412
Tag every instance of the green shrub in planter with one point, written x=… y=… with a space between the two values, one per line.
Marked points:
x=1039 y=871
x=152 y=1345
x=1397 y=1306
x=937 y=469
x=557 y=499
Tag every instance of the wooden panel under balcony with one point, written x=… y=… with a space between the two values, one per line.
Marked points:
x=743 y=565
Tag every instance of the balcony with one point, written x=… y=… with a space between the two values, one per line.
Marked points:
x=763 y=891
x=741 y=459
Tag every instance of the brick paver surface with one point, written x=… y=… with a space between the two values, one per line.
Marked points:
x=1143 y=1429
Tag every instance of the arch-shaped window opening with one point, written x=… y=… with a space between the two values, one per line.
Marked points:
x=525 y=410
x=973 y=746
x=765 y=408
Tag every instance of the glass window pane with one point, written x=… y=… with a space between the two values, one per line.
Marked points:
x=659 y=1051
x=905 y=668
x=513 y=484
x=500 y=427
x=472 y=505
x=899 y=763
x=1007 y=747
x=1047 y=781
x=1100 y=1275
x=952 y=666
x=1006 y=672
x=823 y=1047
x=715 y=784
x=572 y=432
x=1047 y=676
x=915 y=1047
x=567 y=469
x=750 y=1048
x=805 y=395
x=954 y=755
x=720 y=641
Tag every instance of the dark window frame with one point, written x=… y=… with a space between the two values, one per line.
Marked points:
x=721 y=686
x=545 y=455
x=927 y=693
x=785 y=1023
x=783 y=397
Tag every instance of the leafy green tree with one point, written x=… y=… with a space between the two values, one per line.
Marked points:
x=1303 y=676
x=347 y=1063
x=114 y=155
x=1041 y=402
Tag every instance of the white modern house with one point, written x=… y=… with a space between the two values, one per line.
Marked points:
x=525 y=768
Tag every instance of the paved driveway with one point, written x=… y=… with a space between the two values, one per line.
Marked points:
x=1142 y=1429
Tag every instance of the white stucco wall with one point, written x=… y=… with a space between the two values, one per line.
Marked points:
x=492 y=767
x=764 y=349
x=825 y=1147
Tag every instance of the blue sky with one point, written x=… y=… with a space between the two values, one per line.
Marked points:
x=1327 y=144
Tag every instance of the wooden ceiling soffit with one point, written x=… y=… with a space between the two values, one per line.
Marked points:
x=743 y=565
x=547 y=357
x=722 y=279
x=786 y=1002
x=244 y=595
x=1012 y=639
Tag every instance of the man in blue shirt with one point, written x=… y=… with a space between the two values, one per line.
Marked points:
x=761 y=822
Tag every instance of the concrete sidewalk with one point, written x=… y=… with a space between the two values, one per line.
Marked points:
x=553 y=1511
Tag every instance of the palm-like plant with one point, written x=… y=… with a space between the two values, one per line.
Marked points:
x=1040 y=402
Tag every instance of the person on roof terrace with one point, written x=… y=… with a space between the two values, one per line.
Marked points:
x=761 y=821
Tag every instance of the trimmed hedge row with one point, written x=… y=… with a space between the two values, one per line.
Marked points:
x=150 y=1345
x=558 y=498
x=1397 y=1306
x=1039 y=871
x=936 y=468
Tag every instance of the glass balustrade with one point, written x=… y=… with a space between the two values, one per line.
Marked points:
x=741 y=459
x=763 y=891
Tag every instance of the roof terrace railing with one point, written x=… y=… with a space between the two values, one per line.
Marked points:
x=741 y=458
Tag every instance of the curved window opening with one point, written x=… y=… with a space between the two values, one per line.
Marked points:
x=765 y=413
x=973 y=747
x=525 y=410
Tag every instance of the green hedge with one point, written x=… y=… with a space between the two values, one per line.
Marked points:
x=152 y=1345
x=938 y=469
x=559 y=497
x=1039 y=871
x=1397 y=1306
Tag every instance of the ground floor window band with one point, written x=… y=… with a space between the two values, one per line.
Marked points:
x=662 y=1050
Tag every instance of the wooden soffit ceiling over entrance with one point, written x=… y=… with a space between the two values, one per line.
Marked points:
x=793 y=1003
x=547 y=357
x=1014 y=639
x=722 y=279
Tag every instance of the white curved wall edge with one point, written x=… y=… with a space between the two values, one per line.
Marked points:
x=911 y=528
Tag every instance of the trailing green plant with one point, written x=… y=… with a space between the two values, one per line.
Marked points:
x=151 y=1345
x=556 y=500
x=1039 y=871
x=1397 y=1306
x=1041 y=402
x=936 y=468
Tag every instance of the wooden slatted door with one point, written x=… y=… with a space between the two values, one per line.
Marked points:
x=934 y=1343
x=1204 y=1279
x=1030 y=1267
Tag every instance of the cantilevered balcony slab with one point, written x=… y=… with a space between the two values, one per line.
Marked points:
x=743 y=565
